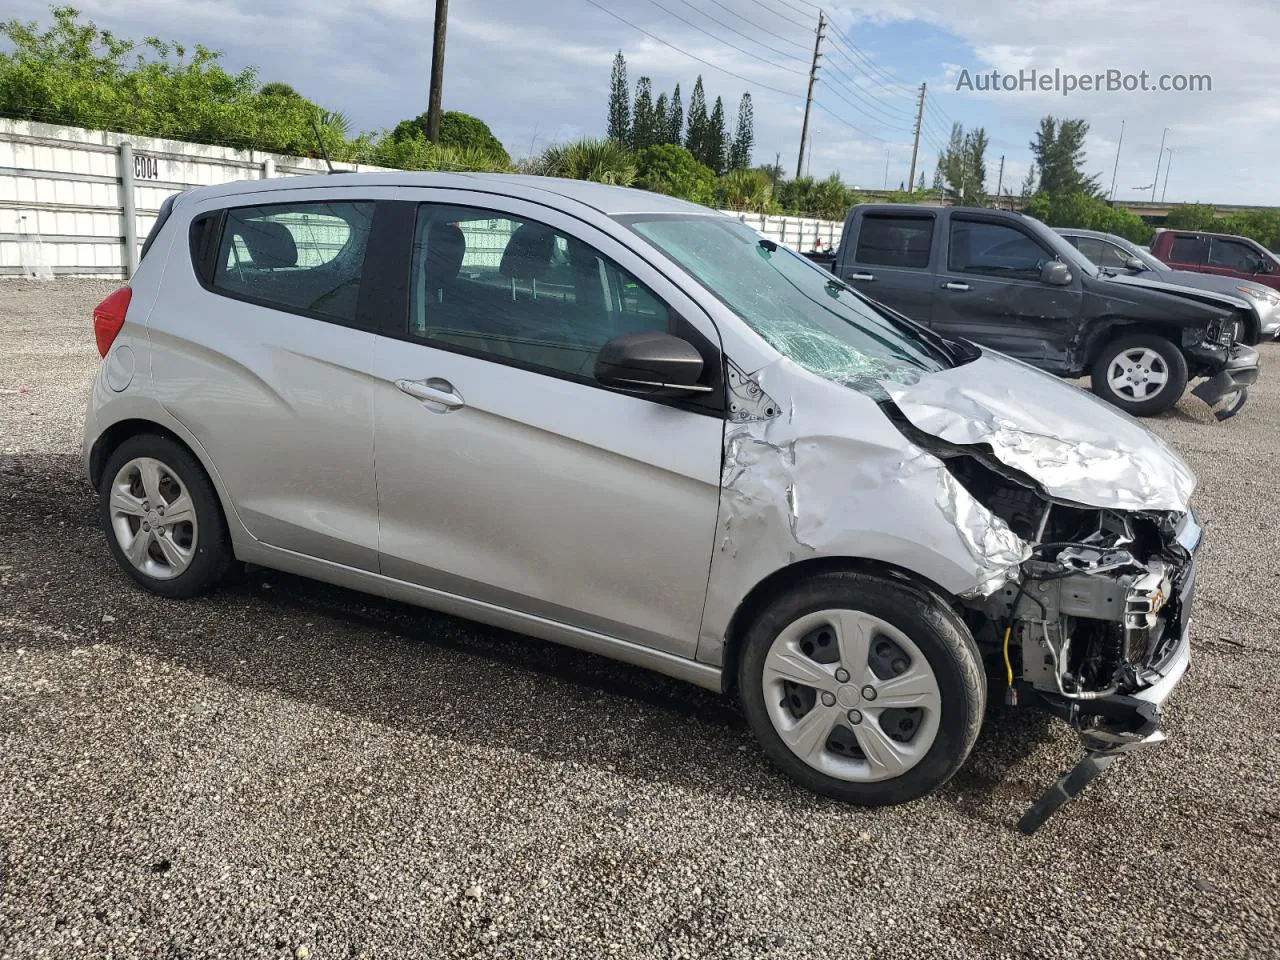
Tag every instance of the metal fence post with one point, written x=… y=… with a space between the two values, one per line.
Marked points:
x=128 y=210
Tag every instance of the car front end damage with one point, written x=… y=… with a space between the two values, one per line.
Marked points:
x=1092 y=624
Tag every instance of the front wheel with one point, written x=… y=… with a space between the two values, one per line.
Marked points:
x=862 y=688
x=1142 y=374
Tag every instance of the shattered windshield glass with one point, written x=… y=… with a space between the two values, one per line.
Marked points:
x=804 y=313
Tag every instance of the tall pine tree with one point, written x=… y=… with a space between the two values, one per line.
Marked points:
x=1059 y=153
x=744 y=136
x=642 y=125
x=695 y=137
x=619 y=102
x=661 y=111
x=675 y=119
x=717 y=140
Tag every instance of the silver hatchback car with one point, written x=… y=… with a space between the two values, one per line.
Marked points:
x=632 y=425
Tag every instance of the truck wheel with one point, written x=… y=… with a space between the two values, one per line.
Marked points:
x=862 y=688
x=1142 y=374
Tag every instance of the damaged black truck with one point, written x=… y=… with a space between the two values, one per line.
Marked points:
x=1008 y=282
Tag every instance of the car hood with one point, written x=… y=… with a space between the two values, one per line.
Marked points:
x=1212 y=297
x=1077 y=447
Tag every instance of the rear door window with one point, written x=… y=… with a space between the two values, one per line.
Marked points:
x=895 y=241
x=1101 y=252
x=1189 y=249
x=303 y=258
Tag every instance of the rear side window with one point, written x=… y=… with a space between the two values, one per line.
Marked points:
x=1189 y=250
x=1102 y=253
x=893 y=241
x=303 y=258
x=995 y=248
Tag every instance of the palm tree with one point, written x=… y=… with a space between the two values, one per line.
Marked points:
x=745 y=190
x=604 y=161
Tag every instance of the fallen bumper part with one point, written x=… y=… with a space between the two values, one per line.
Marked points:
x=1232 y=381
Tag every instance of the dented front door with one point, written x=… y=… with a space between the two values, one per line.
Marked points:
x=990 y=292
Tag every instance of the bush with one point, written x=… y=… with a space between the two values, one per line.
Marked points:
x=604 y=161
x=460 y=131
x=1085 y=212
x=672 y=170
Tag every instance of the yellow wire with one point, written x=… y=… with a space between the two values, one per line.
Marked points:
x=1008 y=666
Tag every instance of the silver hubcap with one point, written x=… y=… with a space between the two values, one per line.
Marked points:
x=153 y=518
x=1138 y=374
x=851 y=695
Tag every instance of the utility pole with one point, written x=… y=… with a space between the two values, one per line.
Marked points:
x=915 y=147
x=1166 y=174
x=1116 y=169
x=808 y=102
x=886 y=168
x=1000 y=182
x=437 y=72
x=1159 y=160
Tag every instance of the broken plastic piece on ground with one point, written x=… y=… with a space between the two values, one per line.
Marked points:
x=1068 y=787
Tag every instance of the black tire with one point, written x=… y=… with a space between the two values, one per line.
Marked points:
x=212 y=551
x=1171 y=391
x=936 y=631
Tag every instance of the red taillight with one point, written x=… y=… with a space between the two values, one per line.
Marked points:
x=108 y=318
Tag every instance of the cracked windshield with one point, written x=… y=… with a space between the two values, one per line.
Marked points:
x=804 y=313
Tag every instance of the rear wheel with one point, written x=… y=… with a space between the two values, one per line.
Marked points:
x=862 y=688
x=162 y=518
x=1142 y=374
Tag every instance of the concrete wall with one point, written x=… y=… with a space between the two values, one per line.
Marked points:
x=80 y=202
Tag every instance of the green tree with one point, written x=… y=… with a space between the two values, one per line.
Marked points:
x=695 y=138
x=1087 y=212
x=1191 y=216
x=715 y=151
x=962 y=168
x=460 y=131
x=604 y=161
x=1029 y=184
x=661 y=117
x=1058 y=149
x=774 y=173
x=798 y=196
x=644 y=123
x=744 y=189
x=744 y=136
x=277 y=89
x=619 y=102
x=831 y=199
x=675 y=119
x=673 y=170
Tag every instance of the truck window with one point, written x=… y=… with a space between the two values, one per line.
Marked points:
x=1189 y=249
x=1102 y=253
x=1233 y=255
x=978 y=246
x=895 y=241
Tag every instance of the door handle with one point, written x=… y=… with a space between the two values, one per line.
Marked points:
x=868 y=277
x=952 y=285
x=433 y=390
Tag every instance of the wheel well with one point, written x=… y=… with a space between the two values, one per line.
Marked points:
x=1114 y=328
x=117 y=434
x=763 y=593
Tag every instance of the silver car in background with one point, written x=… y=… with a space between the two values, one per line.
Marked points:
x=1118 y=255
x=635 y=426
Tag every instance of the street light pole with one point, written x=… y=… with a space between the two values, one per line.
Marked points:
x=1166 y=174
x=1159 y=160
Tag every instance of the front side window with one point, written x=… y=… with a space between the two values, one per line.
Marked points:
x=522 y=292
x=1189 y=249
x=1102 y=253
x=895 y=241
x=300 y=257
x=1233 y=255
x=994 y=248
x=802 y=311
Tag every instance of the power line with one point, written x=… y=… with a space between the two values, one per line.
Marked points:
x=692 y=56
x=795 y=43
x=861 y=92
x=782 y=16
x=879 y=120
x=708 y=33
x=798 y=10
x=750 y=39
x=871 y=64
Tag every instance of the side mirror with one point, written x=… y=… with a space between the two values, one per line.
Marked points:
x=1134 y=263
x=1055 y=273
x=654 y=364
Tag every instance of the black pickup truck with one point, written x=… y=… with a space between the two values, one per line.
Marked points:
x=1008 y=282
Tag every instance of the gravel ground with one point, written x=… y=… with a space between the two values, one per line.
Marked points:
x=285 y=769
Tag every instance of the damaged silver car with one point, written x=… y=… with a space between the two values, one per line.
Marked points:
x=638 y=427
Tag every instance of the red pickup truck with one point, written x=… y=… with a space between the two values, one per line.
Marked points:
x=1218 y=253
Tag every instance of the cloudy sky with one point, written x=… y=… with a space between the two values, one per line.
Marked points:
x=538 y=72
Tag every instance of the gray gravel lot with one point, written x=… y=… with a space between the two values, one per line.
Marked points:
x=285 y=769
